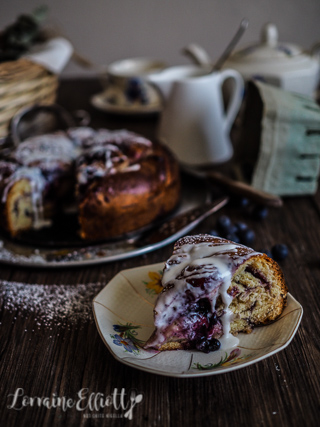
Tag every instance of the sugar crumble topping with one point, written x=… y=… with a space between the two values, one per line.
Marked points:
x=51 y=305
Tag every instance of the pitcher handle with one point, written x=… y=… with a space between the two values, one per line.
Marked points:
x=236 y=97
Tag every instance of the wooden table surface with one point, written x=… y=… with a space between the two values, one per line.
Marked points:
x=50 y=345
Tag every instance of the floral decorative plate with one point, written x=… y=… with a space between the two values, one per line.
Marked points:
x=123 y=313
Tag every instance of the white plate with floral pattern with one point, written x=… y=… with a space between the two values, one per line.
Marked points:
x=123 y=313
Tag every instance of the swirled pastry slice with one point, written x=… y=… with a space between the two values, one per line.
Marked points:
x=212 y=289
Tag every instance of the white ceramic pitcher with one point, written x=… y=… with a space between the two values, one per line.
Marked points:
x=194 y=122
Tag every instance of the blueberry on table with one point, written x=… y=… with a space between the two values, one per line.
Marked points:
x=240 y=226
x=233 y=229
x=247 y=236
x=260 y=212
x=224 y=223
x=279 y=251
x=240 y=202
x=233 y=237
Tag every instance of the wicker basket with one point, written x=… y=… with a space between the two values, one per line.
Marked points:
x=22 y=84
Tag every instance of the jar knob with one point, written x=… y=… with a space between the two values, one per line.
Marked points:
x=269 y=35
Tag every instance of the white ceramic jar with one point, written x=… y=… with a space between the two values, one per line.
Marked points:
x=281 y=64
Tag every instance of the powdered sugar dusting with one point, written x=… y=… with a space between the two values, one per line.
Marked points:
x=60 y=305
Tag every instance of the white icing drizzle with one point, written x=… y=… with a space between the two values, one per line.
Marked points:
x=37 y=183
x=131 y=168
x=88 y=137
x=111 y=153
x=81 y=135
x=46 y=149
x=119 y=136
x=197 y=261
x=109 y=146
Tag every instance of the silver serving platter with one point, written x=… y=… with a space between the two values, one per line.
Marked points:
x=38 y=251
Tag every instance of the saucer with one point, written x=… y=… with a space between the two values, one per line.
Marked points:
x=101 y=102
x=123 y=312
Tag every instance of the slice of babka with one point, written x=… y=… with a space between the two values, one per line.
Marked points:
x=212 y=290
x=36 y=175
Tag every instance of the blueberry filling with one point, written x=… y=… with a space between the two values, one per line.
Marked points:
x=206 y=346
x=200 y=325
x=258 y=275
x=200 y=282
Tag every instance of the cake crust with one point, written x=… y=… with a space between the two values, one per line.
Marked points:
x=123 y=202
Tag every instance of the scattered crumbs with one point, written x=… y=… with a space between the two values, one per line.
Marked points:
x=273 y=413
x=51 y=305
x=277 y=368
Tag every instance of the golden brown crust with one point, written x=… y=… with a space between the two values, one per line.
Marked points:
x=173 y=345
x=257 y=305
x=126 y=201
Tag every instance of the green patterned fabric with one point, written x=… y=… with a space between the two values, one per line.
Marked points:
x=289 y=154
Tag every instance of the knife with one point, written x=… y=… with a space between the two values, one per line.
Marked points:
x=180 y=225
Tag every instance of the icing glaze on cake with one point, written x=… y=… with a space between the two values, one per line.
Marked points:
x=212 y=289
x=46 y=149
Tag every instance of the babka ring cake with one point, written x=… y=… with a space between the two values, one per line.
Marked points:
x=213 y=289
x=119 y=182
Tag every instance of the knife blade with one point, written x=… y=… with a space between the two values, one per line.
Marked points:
x=180 y=225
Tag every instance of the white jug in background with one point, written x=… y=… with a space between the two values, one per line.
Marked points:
x=194 y=122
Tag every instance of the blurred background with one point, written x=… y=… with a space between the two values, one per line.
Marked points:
x=107 y=30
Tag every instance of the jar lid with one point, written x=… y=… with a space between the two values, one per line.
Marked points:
x=269 y=50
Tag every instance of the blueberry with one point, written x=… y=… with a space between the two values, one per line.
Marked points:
x=213 y=318
x=279 y=252
x=241 y=202
x=204 y=306
x=230 y=232
x=198 y=282
x=240 y=226
x=207 y=345
x=244 y=202
x=247 y=236
x=260 y=212
x=233 y=229
x=233 y=237
x=224 y=223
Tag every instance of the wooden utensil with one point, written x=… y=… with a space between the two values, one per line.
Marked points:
x=234 y=186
